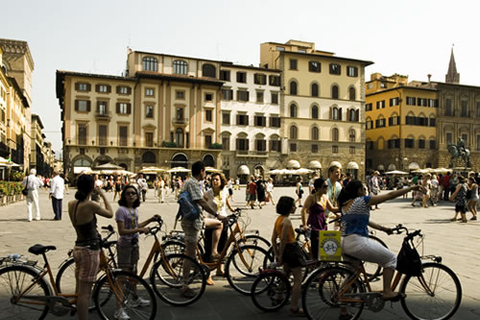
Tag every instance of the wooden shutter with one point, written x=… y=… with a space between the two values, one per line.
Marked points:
x=76 y=104
x=129 y=108
x=331 y=113
x=340 y=114
x=89 y=87
x=88 y=105
x=247 y=144
x=117 y=107
x=77 y=85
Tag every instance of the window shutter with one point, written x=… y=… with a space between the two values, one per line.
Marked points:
x=88 y=105
x=118 y=106
x=237 y=143
x=340 y=114
x=76 y=105
x=118 y=89
x=247 y=144
x=97 y=88
x=238 y=119
x=109 y=88
x=129 y=90
x=77 y=86
x=348 y=115
x=129 y=108
x=98 y=106
x=357 y=115
x=331 y=113
x=89 y=87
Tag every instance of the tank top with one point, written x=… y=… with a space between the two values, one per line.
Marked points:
x=316 y=217
x=461 y=198
x=87 y=235
x=279 y=227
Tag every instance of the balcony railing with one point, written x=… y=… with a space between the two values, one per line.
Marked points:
x=180 y=121
x=103 y=114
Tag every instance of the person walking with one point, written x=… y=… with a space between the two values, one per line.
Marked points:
x=473 y=199
x=334 y=189
x=86 y=253
x=57 y=190
x=446 y=185
x=32 y=183
x=460 y=198
x=252 y=192
x=118 y=186
x=299 y=191
x=143 y=186
x=269 y=190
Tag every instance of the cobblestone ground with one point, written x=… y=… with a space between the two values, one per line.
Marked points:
x=457 y=243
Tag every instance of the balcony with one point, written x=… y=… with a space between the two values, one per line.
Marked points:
x=180 y=121
x=255 y=154
x=103 y=115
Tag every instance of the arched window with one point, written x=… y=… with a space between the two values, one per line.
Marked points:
x=293 y=88
x=179 y=136
x=352 y=93
x=293 y=111
x=335 y=134
x=148 y=157
x=335 y=92
x=315 y=133
x=180 y=67
x=208 y=160
x=351 y=135
x=314 y=112
x=293 y=132
x=179 y=160
x=314 y=90
x=209 y=70
x=336 y=113
x=150 y=64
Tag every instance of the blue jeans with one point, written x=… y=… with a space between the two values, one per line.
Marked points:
x=57 y=208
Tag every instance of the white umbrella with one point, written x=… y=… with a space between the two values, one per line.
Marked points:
x=302 y=171
x=396 y=172
x=211 y=169
x=108 y=166
x=151 y=170
x=179 y=169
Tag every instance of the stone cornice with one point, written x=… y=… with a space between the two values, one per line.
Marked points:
x=17 y=47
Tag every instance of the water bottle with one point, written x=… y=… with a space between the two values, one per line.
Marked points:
x=14 y=256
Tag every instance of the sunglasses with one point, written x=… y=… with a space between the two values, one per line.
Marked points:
x=131 y=193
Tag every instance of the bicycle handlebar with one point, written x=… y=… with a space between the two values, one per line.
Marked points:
x=410 y=235
x=158 y=227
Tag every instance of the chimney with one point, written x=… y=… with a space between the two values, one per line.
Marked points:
x=429 y=76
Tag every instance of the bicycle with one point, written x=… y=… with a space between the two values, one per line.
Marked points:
x=26 y=294
x=242 y=262
x=340 y=288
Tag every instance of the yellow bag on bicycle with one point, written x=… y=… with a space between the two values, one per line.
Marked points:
x=330 y=245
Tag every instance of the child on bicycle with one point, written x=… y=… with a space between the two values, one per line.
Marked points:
x=288 y=253
x=127 y=245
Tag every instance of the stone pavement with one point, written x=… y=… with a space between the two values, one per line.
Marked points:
x=456 y=243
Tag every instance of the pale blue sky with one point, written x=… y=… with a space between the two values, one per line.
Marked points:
x=408 y=37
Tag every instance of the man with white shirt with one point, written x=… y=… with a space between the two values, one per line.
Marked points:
x=57 y=189
x=142 y=185
x=32 y=183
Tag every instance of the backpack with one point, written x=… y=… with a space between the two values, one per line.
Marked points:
x=187 y=208
x=409 y=261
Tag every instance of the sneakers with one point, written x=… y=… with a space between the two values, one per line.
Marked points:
x=121 y=314
x=139 y=302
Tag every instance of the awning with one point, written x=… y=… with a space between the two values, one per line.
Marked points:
x=380 y=167
x=352 y=165
x=392 y=167
x=293 y=164
x=335 y=163
x=315 y=164
x=413 y=166
x=78 y=170
x=243 y=169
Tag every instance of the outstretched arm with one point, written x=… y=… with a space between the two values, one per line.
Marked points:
x=393 y=194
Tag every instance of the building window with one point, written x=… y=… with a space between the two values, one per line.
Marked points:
x=411 y=101
x=227 y=94
x=409 y=143
x=368 y=107
x=380 y=123
x=208 y=97
x=275 y=145
x=335 y=93
x=82 y=134
x=124 y=90
x=464 y=109
x=124 y=108
x=448 y=107
x=352 y=136
x=380 y=104
x=394 y=121
x=293 y=64
x=179 y=137
x=477 y=105
x=293 y=111
x=393 y=143
x=260 y=121
x=335 y=134
x=149 y=92
x=293 y=88
x=225 y=117
x=314 y=90
x=149 y=139
x=280 y=48
x=179 y=114
x=260 y=145
x=314 y=112
x=259 y=96
x=103 y=88
x=314 y=148
x=449 y=138
x=259 y=78
x=334 y=149
x=242 y=95
x=274 y=122
x=102 y=107
x=241 y=77
x=180 y=95
x=209 y=71
x=149 y=111
x=150 y=64
x=433 y=122
x=315 y=133
x=369 y=124
x=394 y=102
x=293 y=132
x=370 y=145
x=421 y=144
x=293 y=147
x=208 y=141
x=274 y=81
x=225 y=75
x=242 y=144
x=352 y=71
x=352 y=94
x=422 y=102
x=123 y=136
x=353 y=115
x=225 y=143
x=102 y=135
x=336 y=113
x=433 y=144
x=314 y=66
x=335 y=69
x=80 y=86
x=180 y=67
x=208 y=115
x=242 y=120
x=274 y=96
x=351 y=150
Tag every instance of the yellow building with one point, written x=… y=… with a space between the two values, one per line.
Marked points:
x=401 y=127
x=322 y=98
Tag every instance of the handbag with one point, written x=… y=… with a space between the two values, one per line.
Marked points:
x=25 y=190
x=408 y=260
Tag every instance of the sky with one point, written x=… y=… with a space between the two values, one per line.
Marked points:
x=413 y=38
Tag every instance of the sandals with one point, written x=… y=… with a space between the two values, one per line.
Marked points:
x=297 y=312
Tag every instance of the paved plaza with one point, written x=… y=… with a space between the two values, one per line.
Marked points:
x=457 y=243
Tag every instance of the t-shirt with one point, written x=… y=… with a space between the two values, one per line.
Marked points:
x=355 y=220
x=220 y=202
x=126 y=216
x=193 y=187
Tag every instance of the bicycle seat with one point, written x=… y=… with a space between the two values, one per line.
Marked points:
x=39 y=249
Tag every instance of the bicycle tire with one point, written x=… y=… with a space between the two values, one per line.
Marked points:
x=373 y=270
x=438 y=305
x=256 y=240
x=128 y=287
x=173 y=246
x=241 y=276
x=320 y=290
x=271 y=291
x=166 y=278
x=14 y=280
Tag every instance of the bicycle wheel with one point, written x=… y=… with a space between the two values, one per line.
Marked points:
x=173 y=246
x=374 y=271
x=270 y=291
x=320 y=294
x=127 y=294
x=256 y=240
x=436 y=294
x=15 y=280
x=167 y=277
x=243 y=267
